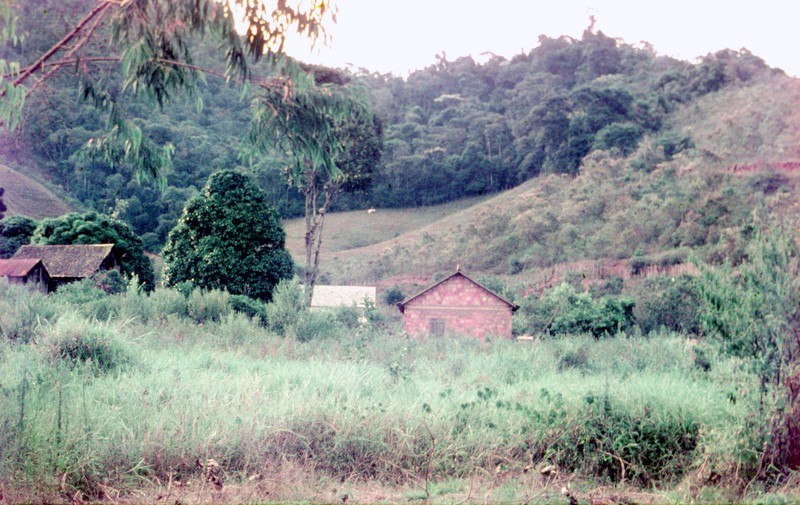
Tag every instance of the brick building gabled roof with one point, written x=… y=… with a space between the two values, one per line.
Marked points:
x=458 y=272
x=17 y=267
x=67 y=261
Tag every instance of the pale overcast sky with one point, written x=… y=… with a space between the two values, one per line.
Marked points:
x=402 y=35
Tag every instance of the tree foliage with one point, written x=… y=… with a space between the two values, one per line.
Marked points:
x=94 y=228
x=565 y=310
x=15 y=231
x=229 y=238
x=457 y=128
x=331 y=143
x=753 y=311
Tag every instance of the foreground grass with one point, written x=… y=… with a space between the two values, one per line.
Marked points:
x=166 y=406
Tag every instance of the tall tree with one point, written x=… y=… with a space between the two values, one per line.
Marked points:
x=332 y=142
x=228 y=238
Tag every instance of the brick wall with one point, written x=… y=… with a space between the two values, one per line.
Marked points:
x=458 y=306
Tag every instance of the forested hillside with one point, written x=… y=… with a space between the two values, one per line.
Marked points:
x=454 y=129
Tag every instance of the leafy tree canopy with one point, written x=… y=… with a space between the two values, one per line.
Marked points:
x=94 y=228
x=230 y=238
x=14 y=232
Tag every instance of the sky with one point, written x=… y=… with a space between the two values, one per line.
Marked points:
x=400 y=36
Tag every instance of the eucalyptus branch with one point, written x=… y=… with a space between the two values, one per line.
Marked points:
x=275 y=82
x=99 y=10
x=82 y=42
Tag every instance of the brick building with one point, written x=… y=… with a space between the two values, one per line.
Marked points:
x=457 y=305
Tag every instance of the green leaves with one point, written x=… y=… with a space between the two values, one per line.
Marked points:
x=305 y=121
x=13 y=95
x=228 y=238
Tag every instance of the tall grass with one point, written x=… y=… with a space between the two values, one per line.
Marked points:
x=156 y=395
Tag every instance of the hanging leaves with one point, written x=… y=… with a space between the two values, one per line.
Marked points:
x=151 y=41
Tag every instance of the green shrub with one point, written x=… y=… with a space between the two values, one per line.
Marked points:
x=578 y=359
x=668 y=302
x=110 y=281
x=393 y=296
x=79 y=342
x=79 y=293
x=286 y=307
x=22 y=311
x=564 y=310
x=641 y=445
x=315 y=325
x=252 y=308
x=206 y=306
x=168 y=301
x=349 y=317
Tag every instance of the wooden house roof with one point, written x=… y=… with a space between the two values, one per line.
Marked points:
x=71 y=261
x=338 y=296
x=402 y=305
x=17 y=267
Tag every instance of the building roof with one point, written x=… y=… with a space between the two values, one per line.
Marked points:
x=338 y=296
x=73 y=261
x=17 y=267
x=402 y=305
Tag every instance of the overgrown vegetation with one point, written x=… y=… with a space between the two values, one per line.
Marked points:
x=113 y=393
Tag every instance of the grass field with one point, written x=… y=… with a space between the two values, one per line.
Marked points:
x=27 y=197
x=162 y=398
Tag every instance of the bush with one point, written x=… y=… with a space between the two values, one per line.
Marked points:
x=393 y=296
x=110 y=281
x=206 y=306
x=316 y=325
x=578 y=359
x=22 y=311
x=286 y=307
x=166 y=301
x=564 y=310
x=668 y=302
x=78 y=342
x=633 y=444
x=254 y=309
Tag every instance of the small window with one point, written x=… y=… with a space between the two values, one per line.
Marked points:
x=437 y=327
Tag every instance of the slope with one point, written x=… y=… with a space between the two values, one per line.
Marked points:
x=649 y=208
x=27 y=197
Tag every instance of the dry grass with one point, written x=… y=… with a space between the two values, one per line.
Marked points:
x=356 y=229
x=24 y=196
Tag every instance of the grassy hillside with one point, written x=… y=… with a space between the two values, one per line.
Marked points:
x=658 y=209
x=27 y=197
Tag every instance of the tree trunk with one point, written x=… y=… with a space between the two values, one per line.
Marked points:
x=315 y=221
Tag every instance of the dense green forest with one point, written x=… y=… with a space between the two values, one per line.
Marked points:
x=454 y=129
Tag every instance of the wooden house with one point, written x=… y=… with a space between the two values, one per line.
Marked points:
x=457 y=305
x=69 y=263
x=30 y=272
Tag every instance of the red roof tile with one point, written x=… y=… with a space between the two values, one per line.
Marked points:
x=17 y=267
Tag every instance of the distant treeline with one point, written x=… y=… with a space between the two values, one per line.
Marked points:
x=452 y=130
